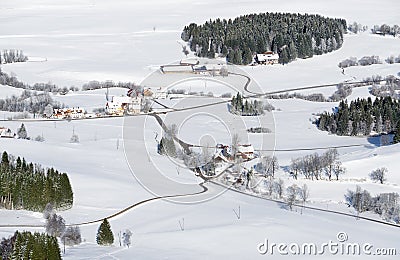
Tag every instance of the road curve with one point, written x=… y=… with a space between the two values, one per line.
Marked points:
x=133 y=206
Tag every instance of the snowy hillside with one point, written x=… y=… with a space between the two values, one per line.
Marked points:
x=116 y=171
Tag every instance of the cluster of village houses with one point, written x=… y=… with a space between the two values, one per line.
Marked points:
x=134 y=101
x=131 y=104
x=224 y=156
x=224 y=152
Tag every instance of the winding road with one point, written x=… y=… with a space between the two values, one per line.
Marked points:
x=133 y=206
x=186 y=147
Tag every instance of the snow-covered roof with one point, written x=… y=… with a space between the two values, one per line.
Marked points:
x=246 y=148
x=190 y=61
x=267 y=56
x=122 y=99
x=177 y=68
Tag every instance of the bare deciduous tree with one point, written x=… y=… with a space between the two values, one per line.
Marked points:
x=338 y=169
x=55 y=225
x=278 y=187
x=379 y=174
x=304 y=193
x=126 y=238
x=48 y=211
x=268 y=165
x=235 y=144
x=72 y=236
x=291 y=196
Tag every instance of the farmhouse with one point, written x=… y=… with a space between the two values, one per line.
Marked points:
x=130 y=104
x=176 y=68
x=246 y=151
x=147 y=92
x=190 y=61
x=266 y=58
x=224 y=152
x=6 y=133
x=117 y=105
x=73 y=113
x=157 y=94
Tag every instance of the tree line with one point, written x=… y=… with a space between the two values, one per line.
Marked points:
x=357 y=27
x=11 y=56
x=386 y=29
x=245 y=107
x=385 y=204
x=290 y=35
x=390 y=88
x=315 y=166
x=94 y=84
x=32 y=102
x=13 y=81
x=364 y=61
x=362 y=117
x=29 y=186
x=342 y=91
x=367 y=60
x=25 y=245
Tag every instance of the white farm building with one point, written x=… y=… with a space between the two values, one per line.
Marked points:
x=246 y=151
x=266 y=58
x=6 y=133
x=118 y=105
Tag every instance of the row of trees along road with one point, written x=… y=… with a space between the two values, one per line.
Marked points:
x=290 y=35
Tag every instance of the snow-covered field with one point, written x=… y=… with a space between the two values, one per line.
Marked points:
x=73 y=42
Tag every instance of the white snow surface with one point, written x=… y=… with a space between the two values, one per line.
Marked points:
x=73 y=42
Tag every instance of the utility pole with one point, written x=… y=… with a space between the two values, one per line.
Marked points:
x=237 y=213
x=182 y=224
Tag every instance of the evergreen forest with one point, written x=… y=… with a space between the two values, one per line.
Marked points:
x=290 y=35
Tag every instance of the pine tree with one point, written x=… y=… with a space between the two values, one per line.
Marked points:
x=343 y=119
x=237 y=56
x=4 y=159
x=35 y=246
x=224 y=51
x=229 y=57
x=53 y=249
x=284 y=56
x=247 y=56
x=396 y=138
x=22 y=132
x=105 y=236
x=17 y=250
